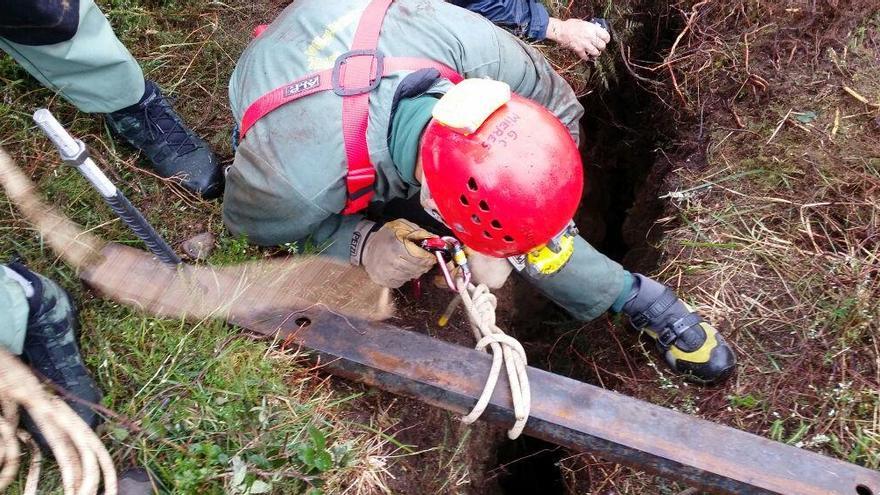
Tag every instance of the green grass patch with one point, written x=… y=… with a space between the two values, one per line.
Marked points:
x=203 y=408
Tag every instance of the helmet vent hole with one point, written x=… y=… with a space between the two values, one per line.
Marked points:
x=464 y=200
x=496 y=224
x=486 y=234
x=475 y=219
x=472 y=184
x=507 y=238
x=484 y=205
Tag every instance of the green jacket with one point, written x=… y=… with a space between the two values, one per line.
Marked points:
x=288 y=178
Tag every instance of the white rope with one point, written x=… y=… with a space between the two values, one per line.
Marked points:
x=480 y=305
x=82 y=459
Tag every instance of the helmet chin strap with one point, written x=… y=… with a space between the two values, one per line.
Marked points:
x=425 y=198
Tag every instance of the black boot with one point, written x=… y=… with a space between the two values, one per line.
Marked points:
x=690 y=346
x=136 y=481
x=50 y=347
x=153 y=127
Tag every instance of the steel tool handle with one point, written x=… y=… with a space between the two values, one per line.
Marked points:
x=141 y=228
x=74 y=153
x=59 y=136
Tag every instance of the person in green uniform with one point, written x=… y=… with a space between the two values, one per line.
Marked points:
x=69 y=46
x=295 y=174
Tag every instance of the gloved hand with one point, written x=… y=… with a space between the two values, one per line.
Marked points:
x=584 y=38
x=391 y=255
x=488 y=270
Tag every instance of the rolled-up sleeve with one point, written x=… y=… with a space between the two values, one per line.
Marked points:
x=524 y=18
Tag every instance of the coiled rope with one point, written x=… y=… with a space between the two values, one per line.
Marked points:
x=480 y=305
x=82 y=458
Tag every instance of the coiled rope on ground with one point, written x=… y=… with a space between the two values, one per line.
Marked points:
x=82 y=458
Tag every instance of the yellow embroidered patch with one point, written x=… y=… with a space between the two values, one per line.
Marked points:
x=318 y=61
x=545 y=261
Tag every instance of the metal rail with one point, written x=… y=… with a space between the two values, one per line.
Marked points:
x=567 y=412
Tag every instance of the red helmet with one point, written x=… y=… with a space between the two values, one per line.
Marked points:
x=511 y=185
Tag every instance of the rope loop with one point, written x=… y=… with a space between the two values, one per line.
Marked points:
x=480 y=304
x=82 y=459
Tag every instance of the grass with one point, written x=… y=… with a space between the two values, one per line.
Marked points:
x=771 y=231
x=204 y=409
x=781 y=246
x=209 y=411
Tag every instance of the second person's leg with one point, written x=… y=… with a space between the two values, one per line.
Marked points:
x=70 y=47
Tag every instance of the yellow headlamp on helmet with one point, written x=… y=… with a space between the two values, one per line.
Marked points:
x=551 y=257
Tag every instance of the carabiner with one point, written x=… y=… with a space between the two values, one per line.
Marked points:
x=451 y=247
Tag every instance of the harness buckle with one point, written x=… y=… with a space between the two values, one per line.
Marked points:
x=375 y=76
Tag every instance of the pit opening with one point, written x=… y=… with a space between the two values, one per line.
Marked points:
x=622 y=130
x=528 y=466
x=302 y=322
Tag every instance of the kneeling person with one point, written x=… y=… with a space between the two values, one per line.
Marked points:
x=499 y=168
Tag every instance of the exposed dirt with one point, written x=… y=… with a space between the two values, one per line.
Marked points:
x=798 y=321
x=736 y=63
x=645 y=139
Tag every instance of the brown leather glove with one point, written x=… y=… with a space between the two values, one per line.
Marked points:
x=391 y=254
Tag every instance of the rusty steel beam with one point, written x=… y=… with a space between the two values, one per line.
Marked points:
x=566 y=412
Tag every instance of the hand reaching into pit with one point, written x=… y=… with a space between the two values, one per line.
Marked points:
x=585 y=38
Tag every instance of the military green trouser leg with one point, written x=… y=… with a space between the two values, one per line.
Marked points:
x=14 y=311
x=92 y=70
x=588 y=285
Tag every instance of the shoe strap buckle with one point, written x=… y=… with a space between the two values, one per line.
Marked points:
x=667 y=337
x=639 y=321
x=671 y=332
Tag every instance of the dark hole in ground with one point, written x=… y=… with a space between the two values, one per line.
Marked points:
x=619 y=138
x=528 y=466
x=622 y=129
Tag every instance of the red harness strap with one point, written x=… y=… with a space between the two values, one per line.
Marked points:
x=355 y=74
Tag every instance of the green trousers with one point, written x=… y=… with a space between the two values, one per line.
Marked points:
x=13 y=314
x=588 y=285
x=92 y=70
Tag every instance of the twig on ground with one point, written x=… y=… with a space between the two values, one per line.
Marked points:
x=779 y=126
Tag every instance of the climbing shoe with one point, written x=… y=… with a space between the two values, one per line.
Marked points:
x=690 y=346
x=175 y=151
x=50 y=346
